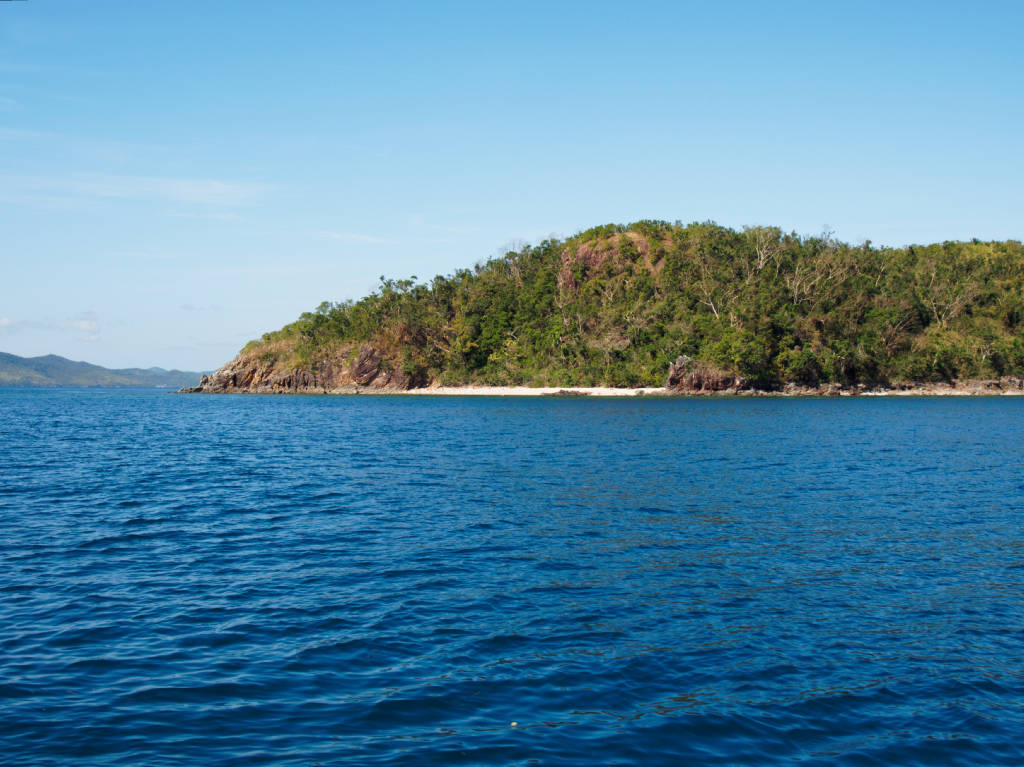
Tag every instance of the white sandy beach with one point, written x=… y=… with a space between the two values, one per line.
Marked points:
x=527 y=391
x=927 y=390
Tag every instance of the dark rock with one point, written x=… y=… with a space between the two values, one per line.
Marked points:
x=366 y=366
x=689 y=376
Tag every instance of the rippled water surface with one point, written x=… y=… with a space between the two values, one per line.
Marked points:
x=232 y=580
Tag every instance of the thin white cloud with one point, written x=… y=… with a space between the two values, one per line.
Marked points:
x=267 y=271
x=437 y=235
x=87 y=326
x=84 y=147
x=206 y=216
x=454 y=229
x=87 y=323
x=142 y=255
x=7 y=325
x=354 y=237
x=13 y=134
x=7 y=66
x=7 y=104
x=191 y=191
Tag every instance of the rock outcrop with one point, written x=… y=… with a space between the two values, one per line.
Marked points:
x=366 y=367
x=689 y=376
x=338 y=372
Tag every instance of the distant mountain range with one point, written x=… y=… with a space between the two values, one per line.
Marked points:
x=52 y=370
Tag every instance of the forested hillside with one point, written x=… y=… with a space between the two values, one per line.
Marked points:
x=615 y=305
x=52 y=370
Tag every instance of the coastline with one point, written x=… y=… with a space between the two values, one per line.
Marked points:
x=367 y=374
x=248 y=375
x=535 y=391
x=962 y=389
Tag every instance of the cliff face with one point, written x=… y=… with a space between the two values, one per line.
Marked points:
x=343 y=370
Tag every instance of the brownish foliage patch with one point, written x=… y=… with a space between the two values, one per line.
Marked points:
x=587 y=258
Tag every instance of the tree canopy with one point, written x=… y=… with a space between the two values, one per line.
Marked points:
x=614 y=305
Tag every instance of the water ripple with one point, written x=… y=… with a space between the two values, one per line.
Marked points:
x=383 y=581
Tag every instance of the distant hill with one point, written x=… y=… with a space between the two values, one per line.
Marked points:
x=52 y=370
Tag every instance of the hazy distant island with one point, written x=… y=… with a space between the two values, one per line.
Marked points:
x=52 y=371
x=699 y=308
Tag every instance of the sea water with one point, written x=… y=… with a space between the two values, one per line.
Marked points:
x=257 y=580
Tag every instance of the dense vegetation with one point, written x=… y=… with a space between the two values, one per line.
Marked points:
x=616 y=304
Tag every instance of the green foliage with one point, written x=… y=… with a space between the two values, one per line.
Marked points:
x=616 y=304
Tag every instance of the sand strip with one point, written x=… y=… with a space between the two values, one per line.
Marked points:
x=533 y=391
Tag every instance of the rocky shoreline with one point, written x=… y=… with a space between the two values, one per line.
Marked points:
x=368 y=372
x=956 y=389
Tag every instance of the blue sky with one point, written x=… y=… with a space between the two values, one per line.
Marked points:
x=177 y=178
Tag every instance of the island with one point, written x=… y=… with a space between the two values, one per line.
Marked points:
x=656 y=306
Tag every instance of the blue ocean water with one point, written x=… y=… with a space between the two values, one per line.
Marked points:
x=257 y=580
